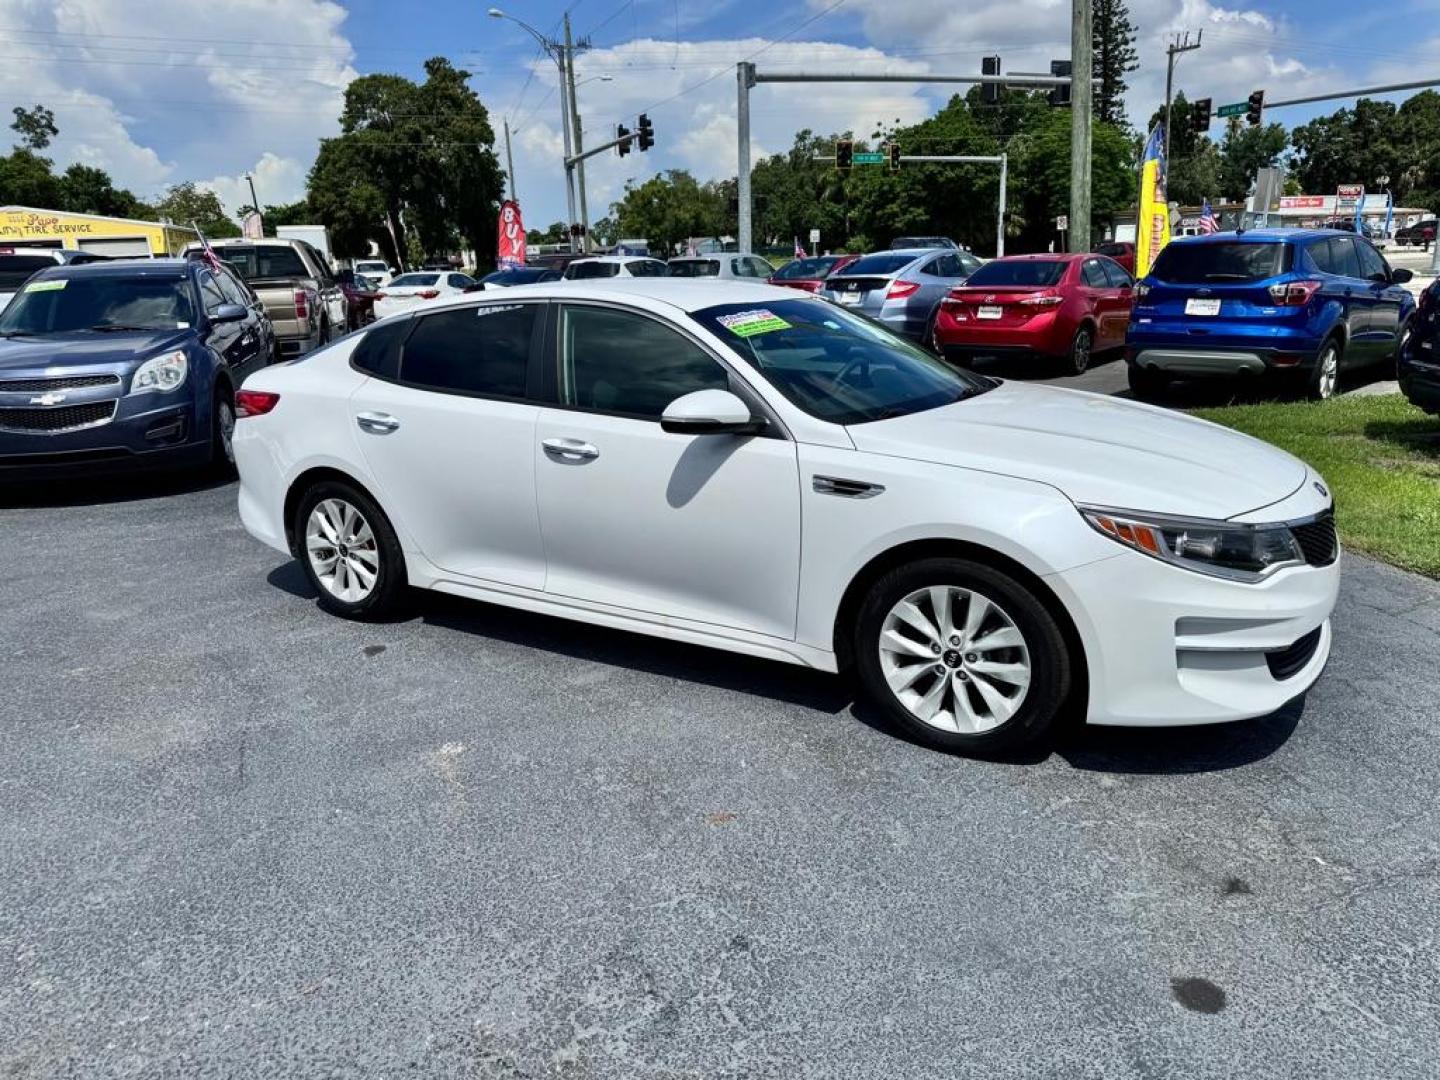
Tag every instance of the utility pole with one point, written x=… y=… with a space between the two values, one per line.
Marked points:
x=577 y=140
x=745 y=76
x=1081 y=90
x=1174 y=49
x=509 y=161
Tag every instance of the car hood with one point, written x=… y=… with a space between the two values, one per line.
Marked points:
x=85 y=350
x=1099 y=450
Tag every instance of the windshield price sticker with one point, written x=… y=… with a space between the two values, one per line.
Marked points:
x=749 y=323
x=46 y=286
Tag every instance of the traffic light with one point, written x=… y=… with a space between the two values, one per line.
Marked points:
x=1200 y=116
x=894 y=157
x=990 y=92
x=645 y=135
x=1060 y=95
x=844 y=154
x=1256 y=105
x=623 y=134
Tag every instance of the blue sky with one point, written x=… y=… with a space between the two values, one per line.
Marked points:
x=169 y=90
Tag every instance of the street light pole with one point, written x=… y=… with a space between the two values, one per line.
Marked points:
x=1174 y=49
x=510 y=163
x=560 y=53
x=254 y=202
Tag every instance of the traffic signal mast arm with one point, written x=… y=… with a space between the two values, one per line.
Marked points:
x=644 y=135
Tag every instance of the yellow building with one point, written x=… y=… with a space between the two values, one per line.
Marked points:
x=90 y=232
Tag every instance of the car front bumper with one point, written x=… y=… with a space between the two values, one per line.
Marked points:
x=147 y=431
x=1166 y=646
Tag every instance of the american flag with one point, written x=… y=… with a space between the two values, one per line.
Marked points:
x=800 y=251
x=207 y=253
x=1208 y=222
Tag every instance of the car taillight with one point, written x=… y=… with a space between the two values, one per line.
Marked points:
x=428 y=294
x=900 y=289
x=254 y=402
x=1044 y=300
x=1294 y=293
x=302 y=303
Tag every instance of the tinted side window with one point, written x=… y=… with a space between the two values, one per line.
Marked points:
x=457 y=281
x=1116 y=274
x=210 y=293
x=1320 y=255
x=482 y=350
x=379 y=350
x=234 y=292
x=934 y=268
x=619 y=362
x=1372 y=266
x=760 y=268
x=1343 y=260
x=1093 y=276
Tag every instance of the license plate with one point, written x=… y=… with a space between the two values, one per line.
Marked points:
x=850 y=299
x=989 y=311
x=1198 y=305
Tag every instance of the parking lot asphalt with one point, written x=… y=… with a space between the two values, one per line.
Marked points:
x=244 y=838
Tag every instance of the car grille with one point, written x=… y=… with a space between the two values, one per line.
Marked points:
x=61 y=382
x=1286 y=662
x=1317 y=539
x=55 y=420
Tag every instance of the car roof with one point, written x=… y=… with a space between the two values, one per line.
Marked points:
x=1259 y=236
x=613 y=259
x=121 y=268
x=681 y=294
x=700 y=257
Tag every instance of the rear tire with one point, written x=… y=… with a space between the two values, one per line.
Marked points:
x=961 y=656
x=1078 y=362
x=349 y=551
x=1147 y=384
x=1323 y=382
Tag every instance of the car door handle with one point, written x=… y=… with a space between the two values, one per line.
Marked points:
x=377 y=423
x=570 y=449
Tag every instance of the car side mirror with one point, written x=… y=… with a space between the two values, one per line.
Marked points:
x=710 y=412
x=229 y=313
x=1400 y=275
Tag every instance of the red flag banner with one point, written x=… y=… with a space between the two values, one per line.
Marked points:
x=510 y=246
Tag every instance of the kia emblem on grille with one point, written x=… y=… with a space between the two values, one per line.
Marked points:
x=48 y=399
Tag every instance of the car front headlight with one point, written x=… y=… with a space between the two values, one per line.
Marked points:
x=1219 y=548
x=160 y=373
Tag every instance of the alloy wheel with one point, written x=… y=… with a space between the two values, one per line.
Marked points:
x=342 y=550
x=1327 y=378
x=225 y=418
x=1080 y=352
x=955 y=659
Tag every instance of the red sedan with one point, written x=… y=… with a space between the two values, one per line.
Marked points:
x=1063 y=306
x=810 y=274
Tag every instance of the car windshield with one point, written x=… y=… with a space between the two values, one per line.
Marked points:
x=413 y=279
x=694 y=268
x=1031 y=273
x=806 y=269
x=921 y=242
x=259 y=263
x=60 y=305
x=1198 y=264
x=581 y=270
x=835 y=365
x=878 y=264
x=517 y=275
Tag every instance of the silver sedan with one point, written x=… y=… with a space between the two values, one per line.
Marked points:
x=902 y=289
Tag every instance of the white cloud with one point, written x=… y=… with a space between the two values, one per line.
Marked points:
x=277 y=181
x=225 y=99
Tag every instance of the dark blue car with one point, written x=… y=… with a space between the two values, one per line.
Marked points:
x=1420 y=359
x=1299 y=306
x=125 y=364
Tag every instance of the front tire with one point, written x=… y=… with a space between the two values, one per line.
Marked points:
x=349 y=551
x=222 y=432
x=961 y=656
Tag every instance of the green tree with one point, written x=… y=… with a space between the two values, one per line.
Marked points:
x=27 y=179
x=36 y=127
x=668 y=209
x=1417 y=144
x=85 y=189
x=186 y=204
x=556 y=233
x=1244 y=151
x=344 y=194
x=1115 y=56
x=1350 y=146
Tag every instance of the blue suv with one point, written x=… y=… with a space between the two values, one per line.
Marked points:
x=1420 y=358
x=125 y=363
x=1300 y=305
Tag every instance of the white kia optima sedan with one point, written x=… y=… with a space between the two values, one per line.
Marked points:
x=742 y=467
